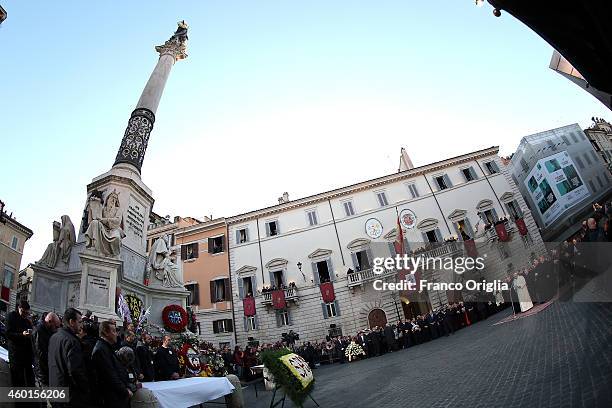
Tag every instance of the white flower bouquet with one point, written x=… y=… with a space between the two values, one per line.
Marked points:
x=353 y=351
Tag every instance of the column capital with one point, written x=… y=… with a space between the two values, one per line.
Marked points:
x=176 y=46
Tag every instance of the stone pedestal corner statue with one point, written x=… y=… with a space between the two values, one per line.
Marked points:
x=105 y=228
x=159 y=262
x=64 y=239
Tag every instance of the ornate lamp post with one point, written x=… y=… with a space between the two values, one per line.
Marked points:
x=299 y=265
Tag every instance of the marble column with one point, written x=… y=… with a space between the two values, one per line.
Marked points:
x=136 y=136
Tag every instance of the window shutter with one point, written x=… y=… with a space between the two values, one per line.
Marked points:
x=463 y=174
x=473 y=173
x=518 y=208
x=391 y=249
x=196 y=294
x=337 y=308
x=425 y=238
x=439 y=235
x=213 y=297
x=494 y=165
x=196 y=250
x=215 y=326
x=241 y=293
x=267 y=229
x=330 y=269
x=315 y=274
x=324 y=307
x=277 y=228
x=237 y=236
x=256 y=321
x=228 y=290
x=468 y=227
x=253 y=284
x=223 y=243
x=272 y=281
x=494 y=214
x=370 y=257
x=447 y=181
x=284 y=277
x=355 y=262
x=245 y=322
x=210 y=245
x=289 y=318
x=229 y=325
x=183 y=252
x=246 y=234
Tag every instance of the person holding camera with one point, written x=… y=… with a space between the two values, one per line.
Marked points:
x=19 y=336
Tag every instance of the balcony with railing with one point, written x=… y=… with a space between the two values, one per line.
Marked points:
x=358 y=278
x=291 y=294
x=442 y=249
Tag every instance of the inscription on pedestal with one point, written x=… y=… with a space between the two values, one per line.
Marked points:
x=135 y=221
x=98 y=283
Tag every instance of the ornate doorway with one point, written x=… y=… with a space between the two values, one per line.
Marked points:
x=377 y=317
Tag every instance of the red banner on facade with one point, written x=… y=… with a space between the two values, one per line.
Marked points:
x=278 y=299
x=327 y=292
x=502 y=234
x=6 y=293
x=470 y=248
x=520 y=224
x=249 y=306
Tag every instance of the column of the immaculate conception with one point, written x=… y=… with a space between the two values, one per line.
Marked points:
x=109 y=254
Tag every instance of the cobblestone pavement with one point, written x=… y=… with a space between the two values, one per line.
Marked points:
x=560 y=357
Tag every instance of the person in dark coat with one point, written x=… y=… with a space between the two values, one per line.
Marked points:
x=66 y=365
x=389 y=337
x=40 y=347
x=112 y=377
x=89 y=338
x=19 y=336
x=145 y=358
x=166 y=362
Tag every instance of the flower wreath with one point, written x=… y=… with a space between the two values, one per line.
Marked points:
x=175 y=318
x=191 y=359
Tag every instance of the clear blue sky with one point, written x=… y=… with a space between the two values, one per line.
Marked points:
x=279 y=95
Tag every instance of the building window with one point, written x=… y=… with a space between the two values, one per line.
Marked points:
x=443 y=182
x=14 y=243
x=322 y=271
x=579 y=161
x=245 y=287
x=382 y=199
x=282 y=318
x=220 y=290
x=469 y=174
x=223 y=326
x=489 y=216
x=599 y=181
x=592 y=185
x=242 y=235
x=272 y=228
x=524 y=165
x=432 y=236
x=464 y=229
x=594 y=155
x=330 y=309
x=312 y=217
x=491 y=167
x=361 y=260
x=514 y=210
x=413 y=190
x=551 y=144
x=565 y=140
x=189 y=251
x=251 y=323
x=194 y=294
x=277 y=279
x=9 y=277
x=216 y=245
x=574 y=138
x=588 y=160
x=348 y=208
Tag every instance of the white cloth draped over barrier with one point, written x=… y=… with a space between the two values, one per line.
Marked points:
x=189 y=391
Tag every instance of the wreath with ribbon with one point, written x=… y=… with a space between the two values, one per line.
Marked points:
x=175 y=318
x=191 y=360
x=290 y=372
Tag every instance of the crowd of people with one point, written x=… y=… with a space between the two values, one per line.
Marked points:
x=100 y=367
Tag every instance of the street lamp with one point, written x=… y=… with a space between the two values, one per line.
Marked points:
x=394 y=297
x=299 y=265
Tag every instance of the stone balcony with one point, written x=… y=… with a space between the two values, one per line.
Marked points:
x=358 y=278
x=446 y=248
x=291 y=294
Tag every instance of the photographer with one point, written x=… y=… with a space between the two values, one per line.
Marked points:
x=19 y=336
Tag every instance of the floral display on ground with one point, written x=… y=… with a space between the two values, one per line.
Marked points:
x=354 y=351
x=291 y=372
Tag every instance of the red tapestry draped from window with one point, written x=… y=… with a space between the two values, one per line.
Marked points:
x=520 y=224
x=327 y=292
x=6 y=293
x=278 y=299
x=249 y=306
x=502 y=234
x=470 y=248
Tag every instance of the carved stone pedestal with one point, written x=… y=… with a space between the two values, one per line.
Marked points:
x=99 y=284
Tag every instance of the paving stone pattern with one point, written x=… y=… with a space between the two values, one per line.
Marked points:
x=561 y=357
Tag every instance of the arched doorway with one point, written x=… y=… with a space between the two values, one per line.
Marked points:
x=377 y=317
